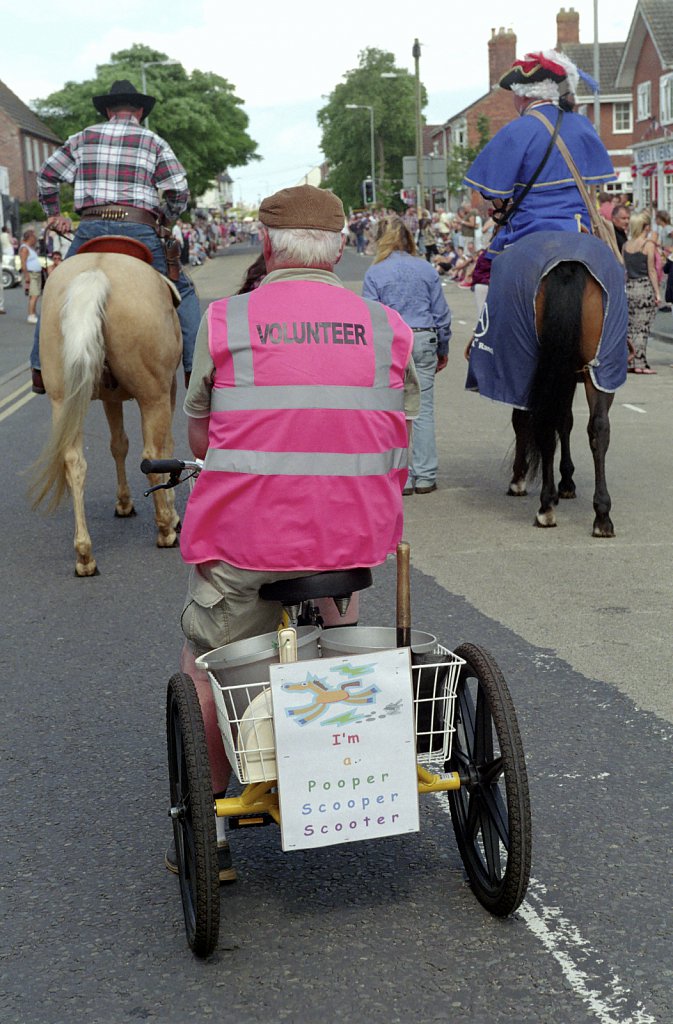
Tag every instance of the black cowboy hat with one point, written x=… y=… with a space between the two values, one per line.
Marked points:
x=123 y=92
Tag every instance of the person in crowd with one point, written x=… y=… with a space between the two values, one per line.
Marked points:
x=31 y=269
x=642 y=288
x=127 y=181
x=410 y=285
x=55 y=262
x=620 y=218
x=265 y=384
x=524 y=177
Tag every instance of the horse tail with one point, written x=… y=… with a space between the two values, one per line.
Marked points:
x=559 y=337
x=83 y=355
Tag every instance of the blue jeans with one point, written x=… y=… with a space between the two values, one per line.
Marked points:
x=189 y=312
x=423 y=453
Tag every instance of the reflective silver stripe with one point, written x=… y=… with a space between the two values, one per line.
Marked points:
x=383 y=399
x=238 y=340
x=383 y=343
x=305 y=463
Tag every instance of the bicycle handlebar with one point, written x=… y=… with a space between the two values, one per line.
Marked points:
x=174 y=468
x=148 y=466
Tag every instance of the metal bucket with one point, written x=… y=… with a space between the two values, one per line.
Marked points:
x=368 y=639
x=246 y=662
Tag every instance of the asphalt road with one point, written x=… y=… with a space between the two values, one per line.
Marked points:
x=381 y=932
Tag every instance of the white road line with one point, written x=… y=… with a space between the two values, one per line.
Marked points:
x=15 y=393
x=634 y=408
x=17 y=405
x=584 y=968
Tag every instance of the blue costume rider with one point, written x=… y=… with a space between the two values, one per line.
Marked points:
x=522 y=172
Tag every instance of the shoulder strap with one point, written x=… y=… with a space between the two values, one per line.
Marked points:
x=502 y=217
x=598 y=224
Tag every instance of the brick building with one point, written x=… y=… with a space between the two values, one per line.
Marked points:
x=646 y=71
x=615 y=99
x=25 y=143
x=461 y=129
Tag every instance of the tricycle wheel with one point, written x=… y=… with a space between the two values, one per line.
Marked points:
x=193 y=816
x=491 y=810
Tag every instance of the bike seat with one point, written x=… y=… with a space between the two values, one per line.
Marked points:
x=337 y=583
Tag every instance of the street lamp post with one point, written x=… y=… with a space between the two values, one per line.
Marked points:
x=143 y=77
x=420 y=185
x=365 y=106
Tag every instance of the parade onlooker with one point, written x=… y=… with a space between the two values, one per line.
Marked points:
x=642 y=289
x=401 y=280
x=32 y=272
x=620 y=218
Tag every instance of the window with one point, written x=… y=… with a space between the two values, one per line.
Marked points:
x=28 y=151
x=644 y=100
x=36 y=155
x=668 y=192
x=666 y=99
x=622 y=118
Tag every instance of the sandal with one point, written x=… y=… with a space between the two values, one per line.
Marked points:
x=644 y=369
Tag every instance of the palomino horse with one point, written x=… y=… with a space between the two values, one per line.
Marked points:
x=578 y=322
x=110 y=315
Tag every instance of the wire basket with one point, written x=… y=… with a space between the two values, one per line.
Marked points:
x=245 y=717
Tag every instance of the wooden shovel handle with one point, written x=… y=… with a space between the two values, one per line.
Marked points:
x=403 y=596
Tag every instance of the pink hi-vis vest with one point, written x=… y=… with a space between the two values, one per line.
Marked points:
x=307 y=447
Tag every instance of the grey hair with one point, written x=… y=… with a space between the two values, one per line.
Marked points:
x=305 y=247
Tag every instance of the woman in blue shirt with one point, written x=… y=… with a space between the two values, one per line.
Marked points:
x=400 y=279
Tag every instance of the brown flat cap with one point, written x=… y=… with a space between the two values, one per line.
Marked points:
x=303 y=207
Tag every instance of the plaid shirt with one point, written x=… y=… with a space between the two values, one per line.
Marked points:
x=116 y=162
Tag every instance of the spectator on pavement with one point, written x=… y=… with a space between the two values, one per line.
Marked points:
x=402 y=281
x=32 y=272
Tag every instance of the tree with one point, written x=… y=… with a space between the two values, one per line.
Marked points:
x=346 y=134
x=199 y=115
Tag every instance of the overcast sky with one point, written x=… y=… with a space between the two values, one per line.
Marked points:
x=284 y=58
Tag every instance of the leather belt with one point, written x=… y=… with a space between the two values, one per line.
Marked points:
x=112 y=211
x=416 y=330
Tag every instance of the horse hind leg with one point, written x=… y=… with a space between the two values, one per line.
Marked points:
x=566 y=487
x=546 y=515
x=119 y=447
x=75 y=471
x=158 y=444
x=521 y=425
x=599 y=439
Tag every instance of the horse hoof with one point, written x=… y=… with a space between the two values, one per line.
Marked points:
x=125 y=515
x=567 y=494
x=603 y=531
x=514 y=492
x=82 y=572
x=545 y=520
x=162 y=542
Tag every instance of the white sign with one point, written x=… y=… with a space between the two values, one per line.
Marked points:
x=345 y=749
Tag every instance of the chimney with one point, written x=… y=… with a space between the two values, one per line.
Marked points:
x=501 y=54
x=567 y=27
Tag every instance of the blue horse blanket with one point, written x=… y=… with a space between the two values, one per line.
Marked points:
x=504 y=355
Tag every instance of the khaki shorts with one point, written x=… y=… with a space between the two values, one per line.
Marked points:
x=223 y=605
x=35 y=286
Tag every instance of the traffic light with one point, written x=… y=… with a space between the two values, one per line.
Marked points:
x=368 y=191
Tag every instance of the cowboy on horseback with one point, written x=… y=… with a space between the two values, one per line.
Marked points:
x=522 y=171
x=119 y=167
